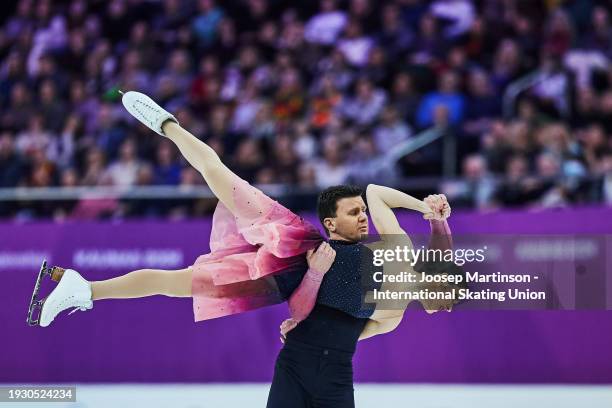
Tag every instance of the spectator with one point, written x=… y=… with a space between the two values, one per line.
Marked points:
x=548 y=169
x=599 y=36
x=289 y=100
x=482 y=104
x=11 y=163
x=110 y=135
x=94 y=167
x=324 y=102
x=124 y=171
x=448 y=95
x=12 y=73
x=305 y=144
x=366 y=105
x=263 y=124
x=394 y=35
x=307 y=176
x=603 y=191
x=460 y=14
x=506 y=64
x=248 y=104
x=391 y=131
x=354 y=45
x=558 y=34
x=428 y=45
x=62 y=148
x=335 y=66
x=20 y=108
x=404 y=97
x=51 y=106
x=515 y=189
x=284 y=160
x=36 y=137
x=167 y=170
x=205 y=25
x=208 y=72
x=295 y=93
x=330 y=169
x=248 y=160
x=478 y=188
x=376 y=69
x=324 y=27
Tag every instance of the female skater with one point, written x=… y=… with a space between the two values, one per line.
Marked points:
x=260 y=251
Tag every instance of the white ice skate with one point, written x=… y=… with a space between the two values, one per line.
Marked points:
x=146 y=110
x=71 y=291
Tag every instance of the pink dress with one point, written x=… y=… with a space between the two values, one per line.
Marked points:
x=248 y=248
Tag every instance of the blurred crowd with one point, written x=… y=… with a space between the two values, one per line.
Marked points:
x=311 y=94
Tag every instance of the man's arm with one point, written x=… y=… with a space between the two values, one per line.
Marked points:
x=440 y=237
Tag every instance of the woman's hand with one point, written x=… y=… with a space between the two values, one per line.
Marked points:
x=322 y=259
x=440 y=208
x=286 y=327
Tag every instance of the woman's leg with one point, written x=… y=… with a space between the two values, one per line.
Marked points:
x=144 y=282
x=205 y=160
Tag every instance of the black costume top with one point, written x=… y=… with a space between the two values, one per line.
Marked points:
x=340 y=314
x=327 y=327
x=344 y=285
x=349 y=278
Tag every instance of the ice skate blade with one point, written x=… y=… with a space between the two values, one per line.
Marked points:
x=35 y=303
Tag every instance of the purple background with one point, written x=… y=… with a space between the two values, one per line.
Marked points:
x=155 y=339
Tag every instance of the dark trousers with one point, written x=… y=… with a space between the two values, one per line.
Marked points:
x=307 y=376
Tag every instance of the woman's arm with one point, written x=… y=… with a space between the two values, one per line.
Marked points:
x=440 y=237
x=382 y=199
x=397 y=199
x=375 y=327
x=388 y=320
x=302 y=300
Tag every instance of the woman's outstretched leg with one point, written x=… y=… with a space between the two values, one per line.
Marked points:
x=74 y=291
x=205 y=160
x=144 y=282
x=221 y=180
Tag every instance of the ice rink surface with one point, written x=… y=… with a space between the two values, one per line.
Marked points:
x=366 y=396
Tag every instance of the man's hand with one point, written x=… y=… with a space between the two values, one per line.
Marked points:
x=439 y=205
x=286 y=327
x=321 y=259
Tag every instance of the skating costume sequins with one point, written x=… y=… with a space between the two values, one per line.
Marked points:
x=349 y=278
x=257 y=255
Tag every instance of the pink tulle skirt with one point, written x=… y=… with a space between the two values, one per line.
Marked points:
x=248 y=247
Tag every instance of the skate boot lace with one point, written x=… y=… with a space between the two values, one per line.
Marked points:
x=142 y=114
x=82 y=307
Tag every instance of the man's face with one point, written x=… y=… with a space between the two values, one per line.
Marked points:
x=351 y=221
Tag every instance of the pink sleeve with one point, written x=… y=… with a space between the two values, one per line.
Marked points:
x=302 y=300
x=440 y=235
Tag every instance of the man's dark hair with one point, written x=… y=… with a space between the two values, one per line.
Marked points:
x=327 y=203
